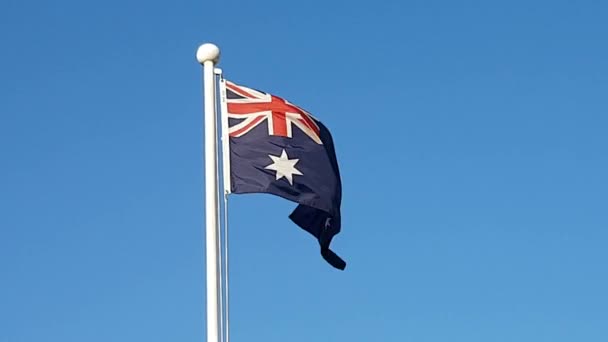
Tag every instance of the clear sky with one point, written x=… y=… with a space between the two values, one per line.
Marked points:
x=471 y=137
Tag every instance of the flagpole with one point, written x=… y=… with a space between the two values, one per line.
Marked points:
x=208 y=55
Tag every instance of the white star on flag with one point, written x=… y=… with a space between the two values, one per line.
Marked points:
x=284 y=167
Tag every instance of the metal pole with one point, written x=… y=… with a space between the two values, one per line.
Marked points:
x=208 y=55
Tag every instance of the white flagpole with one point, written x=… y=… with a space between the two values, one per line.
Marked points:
x=208 y=55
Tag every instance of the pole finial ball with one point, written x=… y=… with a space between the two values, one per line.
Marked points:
x=208 y=52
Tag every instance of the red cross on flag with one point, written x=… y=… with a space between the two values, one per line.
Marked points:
x=250 y=107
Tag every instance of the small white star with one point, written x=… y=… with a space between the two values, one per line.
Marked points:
x=284 y=167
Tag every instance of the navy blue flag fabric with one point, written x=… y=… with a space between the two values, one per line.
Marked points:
x=280 y=149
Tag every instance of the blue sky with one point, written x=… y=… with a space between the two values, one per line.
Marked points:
x=471 y=138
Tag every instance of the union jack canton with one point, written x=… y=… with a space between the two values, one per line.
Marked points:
x=254 y=107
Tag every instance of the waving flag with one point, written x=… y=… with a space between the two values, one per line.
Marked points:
x=278 y=148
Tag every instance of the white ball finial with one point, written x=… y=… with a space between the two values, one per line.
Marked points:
x=208 y=52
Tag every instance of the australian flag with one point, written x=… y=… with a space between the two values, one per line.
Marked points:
x=278 y=148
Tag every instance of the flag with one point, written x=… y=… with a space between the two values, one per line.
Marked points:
x=278 y=148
